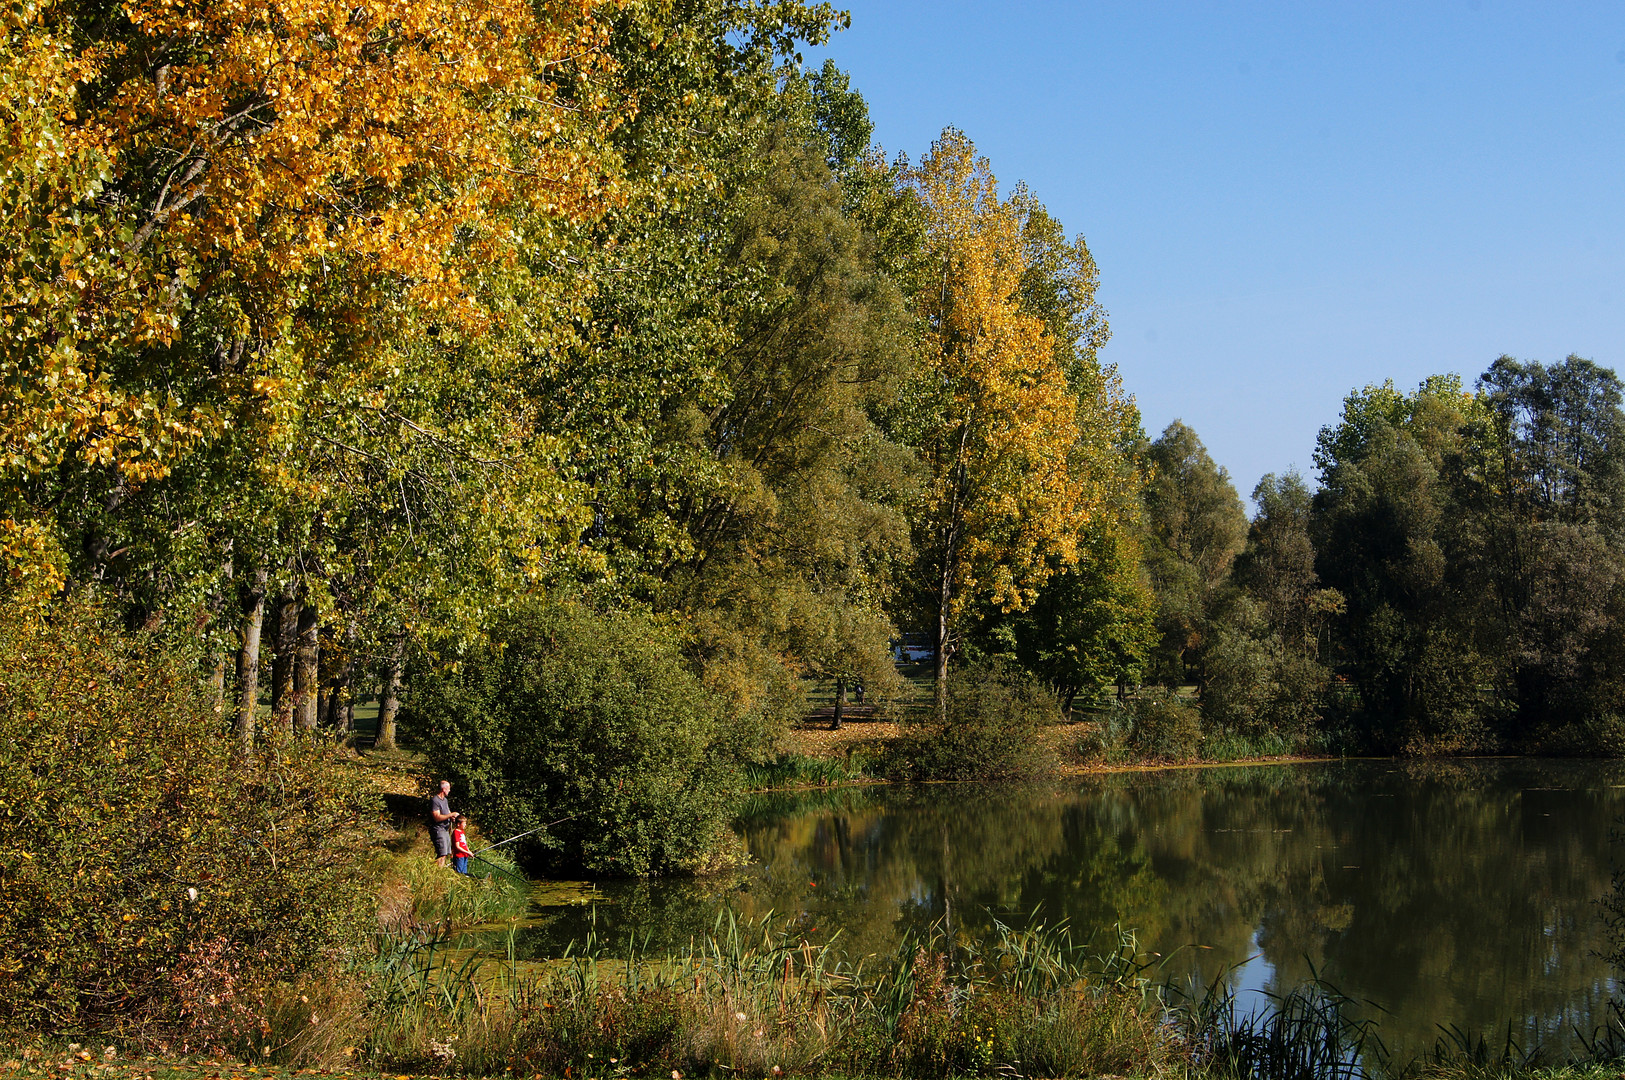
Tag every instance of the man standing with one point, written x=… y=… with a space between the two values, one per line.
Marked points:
x=440 y=816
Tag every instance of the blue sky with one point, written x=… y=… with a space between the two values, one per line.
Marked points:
x=1291 y=200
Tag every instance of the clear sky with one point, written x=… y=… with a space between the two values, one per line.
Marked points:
x=1291 y=200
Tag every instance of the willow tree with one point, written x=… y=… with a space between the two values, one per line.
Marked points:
x=992 y=413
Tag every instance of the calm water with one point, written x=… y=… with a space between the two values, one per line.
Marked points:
x=1449 y=893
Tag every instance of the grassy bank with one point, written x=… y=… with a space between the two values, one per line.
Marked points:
x=892 y=743
x=858 y=754
x=750 y=1000
x=70 y=1064
x=416 y=892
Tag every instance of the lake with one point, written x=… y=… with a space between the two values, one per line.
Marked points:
x=1447 y=893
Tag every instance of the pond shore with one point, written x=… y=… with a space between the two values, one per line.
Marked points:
x=814 y=738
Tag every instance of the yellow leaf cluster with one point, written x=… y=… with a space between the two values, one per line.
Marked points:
x=1004 y=499
x=276 y=167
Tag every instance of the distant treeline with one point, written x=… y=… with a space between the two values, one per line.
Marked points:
x=1455 y=583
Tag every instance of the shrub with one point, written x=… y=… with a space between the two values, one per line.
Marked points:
x=151 y=875
x=1257 y=685
x=1106 y=739
x=995 y=713
x=590 y=725
x=1165 y=726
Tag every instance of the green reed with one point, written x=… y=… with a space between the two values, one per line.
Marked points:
x=754 y=998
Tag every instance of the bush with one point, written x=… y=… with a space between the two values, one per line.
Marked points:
x=151 y=875
x=994 y=715
x=1257 y=685
x=590 y=725
x=1166 y=728
x=1105 y=741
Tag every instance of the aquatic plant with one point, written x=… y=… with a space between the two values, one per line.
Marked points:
x=1309 y=1033
x=800 y=770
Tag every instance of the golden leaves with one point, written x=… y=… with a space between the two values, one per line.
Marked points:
x=289 y=166
x=1003 y=495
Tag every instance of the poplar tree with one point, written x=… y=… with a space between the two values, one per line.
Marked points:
x=992 y=413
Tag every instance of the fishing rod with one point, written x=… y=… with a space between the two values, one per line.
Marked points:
x=499 y=868
x=521 y=836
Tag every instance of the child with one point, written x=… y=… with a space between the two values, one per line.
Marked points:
x=459 y=844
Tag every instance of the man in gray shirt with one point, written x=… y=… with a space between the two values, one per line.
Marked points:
x=440 y=816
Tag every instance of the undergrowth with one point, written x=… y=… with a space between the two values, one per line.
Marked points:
x=750 y=999
x=800 y=770
x=493 y=890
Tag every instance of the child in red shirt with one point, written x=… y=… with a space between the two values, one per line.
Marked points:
x=459 y=844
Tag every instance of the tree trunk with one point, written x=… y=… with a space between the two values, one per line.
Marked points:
x=840 y=702
x=333 y=710
x=944 y=600
x=390 y=703
x=339 y=696
x=306 y=669
x=217 y=682
x=217 y=604
x=286 y=623
x=1066 y=703
x=248 y=663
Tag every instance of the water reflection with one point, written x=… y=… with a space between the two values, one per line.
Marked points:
x=1450 y=893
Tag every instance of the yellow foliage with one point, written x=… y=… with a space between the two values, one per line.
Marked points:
x=269 y=168
x=1005 y=503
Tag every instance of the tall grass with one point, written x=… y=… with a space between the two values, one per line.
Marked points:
x=1306 y=1034
x=1313 y=1033
x=1233 y=746
x=751 y=999
x=801 y=771
x=494 y=890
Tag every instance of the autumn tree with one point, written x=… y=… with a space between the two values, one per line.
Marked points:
x=265 y=286
x=992 y=412
x=1091 y=622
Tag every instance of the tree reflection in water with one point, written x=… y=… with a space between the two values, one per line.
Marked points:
x=1447 y=892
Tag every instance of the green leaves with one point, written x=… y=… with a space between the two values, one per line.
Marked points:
x=588 y=723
